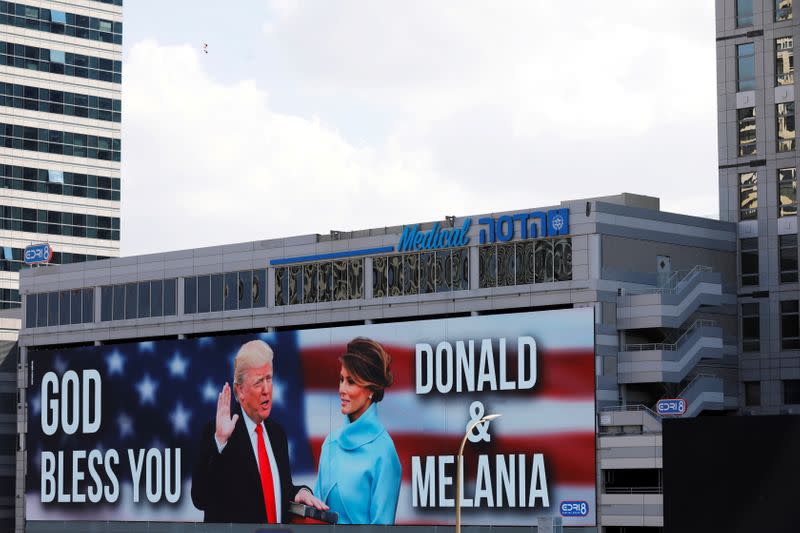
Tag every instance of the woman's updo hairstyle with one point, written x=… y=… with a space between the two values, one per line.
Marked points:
x=369 y=364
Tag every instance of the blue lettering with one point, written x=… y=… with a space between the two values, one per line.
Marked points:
x=407 y=239
x=542 y=228
x=490 y=224
x=523 y=224
x=505 y=228
x=464 y=239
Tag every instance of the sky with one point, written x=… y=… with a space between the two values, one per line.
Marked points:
x=307 y=117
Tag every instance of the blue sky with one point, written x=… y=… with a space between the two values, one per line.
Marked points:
x=307 y=117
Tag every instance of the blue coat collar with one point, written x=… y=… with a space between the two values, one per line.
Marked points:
x=366 y=429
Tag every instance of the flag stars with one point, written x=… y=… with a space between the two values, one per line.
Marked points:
x=278 y=389
x=177 y=366
x=180 y=419
x=116 y=363
x=147 y=390
x=125 y=424
x=210 y=392
x=60 y=365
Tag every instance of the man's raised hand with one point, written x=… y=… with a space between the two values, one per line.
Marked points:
x=225 y=423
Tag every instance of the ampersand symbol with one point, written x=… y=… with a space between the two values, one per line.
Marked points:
x=476 y=413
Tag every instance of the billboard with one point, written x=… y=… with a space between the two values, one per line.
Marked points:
x=118 y=432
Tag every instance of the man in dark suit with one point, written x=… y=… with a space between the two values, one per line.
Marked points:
x=242 y=473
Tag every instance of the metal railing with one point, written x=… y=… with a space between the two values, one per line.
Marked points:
x=633 y=490
x=669 y=347
x=695 y=378
x=672 y=285
x=629 y=407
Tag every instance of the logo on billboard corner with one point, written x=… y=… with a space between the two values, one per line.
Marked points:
x=574 y=508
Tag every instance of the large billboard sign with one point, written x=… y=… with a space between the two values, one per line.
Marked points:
x=133 y=431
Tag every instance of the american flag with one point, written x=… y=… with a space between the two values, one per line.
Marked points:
x=161 y=394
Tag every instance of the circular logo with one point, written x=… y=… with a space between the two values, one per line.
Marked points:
x=557 y=222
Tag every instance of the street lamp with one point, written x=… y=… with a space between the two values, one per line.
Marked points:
x=460 y=463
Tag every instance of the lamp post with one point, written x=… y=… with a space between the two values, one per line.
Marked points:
x=460 y=462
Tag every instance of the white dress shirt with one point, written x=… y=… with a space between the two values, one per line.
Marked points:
x=250 y=426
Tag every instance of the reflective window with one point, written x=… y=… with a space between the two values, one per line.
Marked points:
x=748 y=195
x=752 y=393
x=751 y=328
x=60 y=62
x=63 y=308
x=749 y=261
x=76 y=306
x=156 y=298
x=52 y=309
x=57 y=223
x=59 y=142
x=144 y=299
x=746 y=67
x=190 y=295
x=88 y=306
x=218 y=292
x=787 y=192
x=785 y=126
x=203 y=294
x=41 y=310
x=746 y=128
x=787 y=258
x=784 y=61
x=170 y=297
x=791 y=391
x=130 y=300
x=744 y=13
x=60 y=102
x=119 y=302
x=790 y=325
x=30 y=311
x=61 y=23
x=106 y=298
x=217 y=289
x=783 y=10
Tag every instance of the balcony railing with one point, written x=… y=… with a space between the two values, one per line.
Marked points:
x=671 y=347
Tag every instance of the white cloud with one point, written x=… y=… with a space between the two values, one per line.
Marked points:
x=465 y=110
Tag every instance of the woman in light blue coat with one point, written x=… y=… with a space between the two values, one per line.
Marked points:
x=359 y=471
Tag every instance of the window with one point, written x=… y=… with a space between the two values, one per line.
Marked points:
x=783 y=10
x=60 y=62
x=398 y=275
x=744 y=13
x=59 y=142
x=317 y=282
x=787 y=192
x=785 y=124
x=746 y=128
x=749 y=261
x=787 y=257
x=60 y=102
x=751 y=328
x=790 y=325
x=748 y=196
x=791 y=391
x=746 y=67
x=784 y=61
x=752 y=393
x=234 y=290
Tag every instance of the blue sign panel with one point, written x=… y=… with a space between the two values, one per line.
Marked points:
x=671 y=406
x=38 y=253
x=413 y=240
x=505 y=228
x=574 y=508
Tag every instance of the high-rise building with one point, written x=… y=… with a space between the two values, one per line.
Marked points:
x=60 y=116
x=758 y=190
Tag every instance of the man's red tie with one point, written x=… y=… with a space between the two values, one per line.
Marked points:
x=266 y=477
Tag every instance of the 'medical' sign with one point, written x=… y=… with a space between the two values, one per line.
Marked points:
x=504 y=228
x=38 y=253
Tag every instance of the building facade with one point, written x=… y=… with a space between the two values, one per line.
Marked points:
x=758 y=192
x=662 y=287
x=60 y=145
